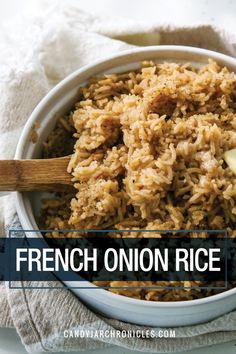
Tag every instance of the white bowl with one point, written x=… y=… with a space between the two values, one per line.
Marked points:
x=59 y=101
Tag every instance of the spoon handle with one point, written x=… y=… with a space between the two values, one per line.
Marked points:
x=35 y=175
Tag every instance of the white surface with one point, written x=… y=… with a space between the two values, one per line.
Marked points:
x=182 y=12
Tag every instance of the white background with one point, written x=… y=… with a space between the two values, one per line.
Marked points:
x=220 y=13
x=183 y=12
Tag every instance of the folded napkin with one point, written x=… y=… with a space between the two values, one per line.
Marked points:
x=36 y=53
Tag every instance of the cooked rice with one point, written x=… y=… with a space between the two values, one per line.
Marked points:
x=149 y=155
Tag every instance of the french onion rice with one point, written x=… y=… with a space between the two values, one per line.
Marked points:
x=148 y=154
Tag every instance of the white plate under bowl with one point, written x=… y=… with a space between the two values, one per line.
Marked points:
x=59 y=101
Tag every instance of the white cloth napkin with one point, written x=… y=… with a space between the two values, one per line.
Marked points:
x=36 y=53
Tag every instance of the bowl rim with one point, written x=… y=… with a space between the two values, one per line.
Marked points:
x=19 y=197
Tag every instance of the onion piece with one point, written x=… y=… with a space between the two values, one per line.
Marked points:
x=230 y=159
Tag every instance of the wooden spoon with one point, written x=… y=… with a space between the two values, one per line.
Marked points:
x=36 y=175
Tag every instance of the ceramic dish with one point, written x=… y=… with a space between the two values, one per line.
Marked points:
x=59 y=101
